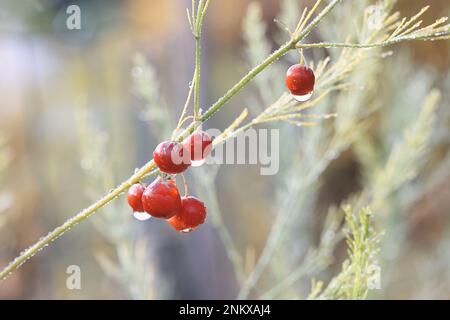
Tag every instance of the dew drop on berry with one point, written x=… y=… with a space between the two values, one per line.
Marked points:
x=197 y=163
x=141 y=216
x=187 y=230
x=303 y=98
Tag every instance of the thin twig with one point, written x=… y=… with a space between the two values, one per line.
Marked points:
x=442 y=36
x=53 y=235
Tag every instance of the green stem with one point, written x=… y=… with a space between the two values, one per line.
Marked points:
x=31 y=251
x=197 y=77
x=201 y=11
x=370 y=45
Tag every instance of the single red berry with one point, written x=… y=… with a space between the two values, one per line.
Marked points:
x=135 y=197
x=300 y=80
x=191 y=215
x=171 y=157
x=199 y=145
x=161 y=199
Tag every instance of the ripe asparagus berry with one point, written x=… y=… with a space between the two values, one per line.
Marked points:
x=161 y=199
x=300 y=80
x=135 y=197
x=199 y=145
x=191 y=215
x=172 y=157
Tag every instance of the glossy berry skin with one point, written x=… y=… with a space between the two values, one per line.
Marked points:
x=135 y=197
x=199 y=145
x=171 y=157
x=300 y=80
x=191 y=215
x=161 y=199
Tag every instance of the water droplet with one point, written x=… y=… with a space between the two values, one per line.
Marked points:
x=186 y=230
x=141 y=216
x=303 y=98
x=198 y=163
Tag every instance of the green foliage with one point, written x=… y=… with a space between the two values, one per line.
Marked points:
x=405 y=159
x=146 y=87
x=359 y=271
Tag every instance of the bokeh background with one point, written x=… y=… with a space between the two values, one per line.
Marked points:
x=81 y=109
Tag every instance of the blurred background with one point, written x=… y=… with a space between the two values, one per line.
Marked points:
x=81 y=109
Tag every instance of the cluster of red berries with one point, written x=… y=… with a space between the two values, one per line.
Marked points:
x=161 y=199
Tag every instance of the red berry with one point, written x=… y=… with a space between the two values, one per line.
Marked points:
x=191 y=215
x=135 y=197
x=171 y=157
x=199 y=145
x=300 y=80
x=161 y=199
